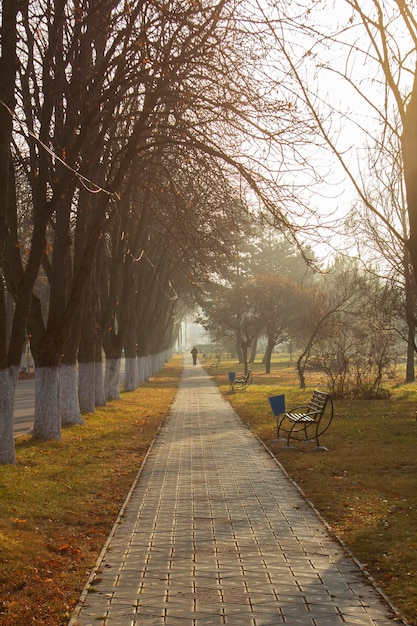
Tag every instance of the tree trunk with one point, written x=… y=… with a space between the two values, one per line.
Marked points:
x=147 y=367
x=90 y=378
x=68 y=396
x=410 y=369
x=409 y=148
x=410 y=298
x=86 y=387
x=8 y=381
x=239 y=353
x=253 y=350
x=141 y=369
x=112 y=379
x=244 y=348
x=112 y=344
x=47 y=421
x=100 y=391
x=131 y=381
x=301 y=369
x=131 y=374
x=68 y=401
x=268 y=355
x=8 y=370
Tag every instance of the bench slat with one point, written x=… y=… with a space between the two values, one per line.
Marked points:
x=306 y=417
x=309 y=418
x=243 y=381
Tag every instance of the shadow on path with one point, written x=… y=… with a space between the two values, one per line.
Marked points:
x=213 y=532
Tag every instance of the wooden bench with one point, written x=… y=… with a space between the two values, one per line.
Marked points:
x=216 y=364
x=242 y=382
x=306 y=422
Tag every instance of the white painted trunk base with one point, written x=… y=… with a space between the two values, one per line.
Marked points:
x=68 y=399
x=100 y=393
x=131 y=374
x=8 y=380
x=47 y=421
x=147 y=367
x=141 y=369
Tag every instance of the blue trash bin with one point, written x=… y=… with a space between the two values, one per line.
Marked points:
x=277 y=404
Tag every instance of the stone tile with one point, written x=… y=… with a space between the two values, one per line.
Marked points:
x=215 y=533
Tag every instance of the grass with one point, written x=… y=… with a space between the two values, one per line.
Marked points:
x=60 y=501
x=365 y=485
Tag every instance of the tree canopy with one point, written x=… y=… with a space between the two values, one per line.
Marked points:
x=145 y=146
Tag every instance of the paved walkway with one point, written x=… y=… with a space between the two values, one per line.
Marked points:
x=215 y=533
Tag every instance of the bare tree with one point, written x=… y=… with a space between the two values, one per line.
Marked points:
x=363 y=348
x=102 y=90
x=230 y=315
x=317 y=317
x=377 y=245
x=365 y=52
x=9 y=363
x=275 y=300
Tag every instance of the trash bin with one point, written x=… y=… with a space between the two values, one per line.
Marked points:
x=277 y=404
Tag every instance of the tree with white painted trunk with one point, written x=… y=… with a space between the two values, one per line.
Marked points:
x=10 y=352
x=89 y=349
x=106 y=89
x=73 y=114
x=61 y=119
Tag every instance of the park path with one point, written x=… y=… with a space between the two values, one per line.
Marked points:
x=214 y=532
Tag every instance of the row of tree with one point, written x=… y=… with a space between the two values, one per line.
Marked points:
x=134 y=135
x=126 y=160
x=345 y=321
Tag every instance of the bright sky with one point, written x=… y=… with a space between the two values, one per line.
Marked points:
x=349 y=110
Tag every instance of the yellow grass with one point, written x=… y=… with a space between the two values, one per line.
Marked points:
x=365 y=485
x=59 y=503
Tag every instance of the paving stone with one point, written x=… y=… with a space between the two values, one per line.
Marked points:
x=215 y=533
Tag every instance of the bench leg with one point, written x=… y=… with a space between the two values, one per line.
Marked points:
x=282 y=427
x=318 y=447
x=307 y=436
x=302 y=428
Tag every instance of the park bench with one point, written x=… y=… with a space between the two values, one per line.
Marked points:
x=242 y=382
x=306 y=422
x=216 y=364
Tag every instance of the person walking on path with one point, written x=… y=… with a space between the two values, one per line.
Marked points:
x=214 y=532
x=194 y=353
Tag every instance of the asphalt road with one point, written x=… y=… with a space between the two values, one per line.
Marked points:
x=24 y=407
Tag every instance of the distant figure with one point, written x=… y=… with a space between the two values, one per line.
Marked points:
x=194 y=352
